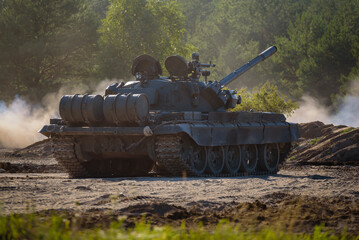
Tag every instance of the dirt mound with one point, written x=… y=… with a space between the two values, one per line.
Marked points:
x=35 y=158
x=29 y=168
x=317 y=129
x=322 y=144
x=298 y=214
x=41 y=149
x=288 y=212
x=160 y=209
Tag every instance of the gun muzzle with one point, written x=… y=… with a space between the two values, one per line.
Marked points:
x=238 y=72
x=268 y=52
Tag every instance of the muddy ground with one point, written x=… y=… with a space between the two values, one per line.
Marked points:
x=319 y=184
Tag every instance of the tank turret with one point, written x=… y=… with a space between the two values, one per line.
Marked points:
x=176 y=123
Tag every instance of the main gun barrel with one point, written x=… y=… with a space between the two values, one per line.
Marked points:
x=238 y=72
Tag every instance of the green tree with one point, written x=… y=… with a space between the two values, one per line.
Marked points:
x=237 y=30
x=134 y=27
x=267 y=98
x=197 y=12
x=44 y=43
x=321 y=50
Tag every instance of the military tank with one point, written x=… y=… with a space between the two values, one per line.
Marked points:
x=176 y=124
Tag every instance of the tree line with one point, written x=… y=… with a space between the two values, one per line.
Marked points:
x=47 y=43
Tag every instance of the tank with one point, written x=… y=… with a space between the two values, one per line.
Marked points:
x=177 y=125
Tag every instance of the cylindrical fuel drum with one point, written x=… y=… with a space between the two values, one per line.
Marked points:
x=122 y=108
x=67 y=107
x=82 y=108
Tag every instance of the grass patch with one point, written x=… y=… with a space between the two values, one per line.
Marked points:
x=31 y=226
x=347 y=130
x=292 y=158
x=315 y=140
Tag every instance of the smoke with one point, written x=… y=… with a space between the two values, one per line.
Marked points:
x=20 y=120
x=310 y=109
x=347 y=114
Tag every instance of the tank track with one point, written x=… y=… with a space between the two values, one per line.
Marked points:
x=64 y=151
x=168 y=155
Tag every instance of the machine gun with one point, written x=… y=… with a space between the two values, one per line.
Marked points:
x=195 y=67
x=178 y=68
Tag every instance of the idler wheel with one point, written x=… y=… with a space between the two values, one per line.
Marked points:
x=194 y=155
x=249 y=158
x=270 y=156
x=233 y=159
x=215 y=158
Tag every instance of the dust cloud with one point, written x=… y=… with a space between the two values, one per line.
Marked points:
x=19 y=123
x=310 y=109
x=347 y=113
x=20 y=120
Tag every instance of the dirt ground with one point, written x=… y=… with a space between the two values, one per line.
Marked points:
x=307 y=191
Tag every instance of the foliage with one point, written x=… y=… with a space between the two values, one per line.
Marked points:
x=55 y=227
x=321 y=49
x=315 y=141
x=349 y=129
x=134 y=27
x=266 y=98
x=44 y=43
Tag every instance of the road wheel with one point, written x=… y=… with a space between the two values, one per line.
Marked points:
x=269 y=157
x=233 y=159
x=249 y=158
x=193 y=155
x=215 y=158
